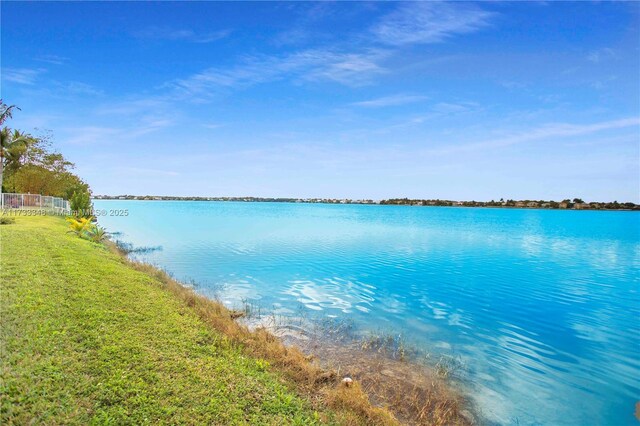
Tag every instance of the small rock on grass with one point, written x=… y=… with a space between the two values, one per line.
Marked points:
x=347 y=381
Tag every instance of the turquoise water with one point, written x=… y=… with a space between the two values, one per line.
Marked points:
x=541 y=306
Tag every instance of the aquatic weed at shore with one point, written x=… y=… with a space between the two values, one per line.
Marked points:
x=418 y=387
x=128 y=248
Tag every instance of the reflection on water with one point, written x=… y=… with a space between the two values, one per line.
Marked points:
x=541 y=306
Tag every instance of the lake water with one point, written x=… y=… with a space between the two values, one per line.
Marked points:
x=541 y=306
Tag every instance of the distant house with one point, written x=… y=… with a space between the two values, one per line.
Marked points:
x=532 y=204
x=545 y=205
x=519 y=204
x=580 y=206
x=563 y=205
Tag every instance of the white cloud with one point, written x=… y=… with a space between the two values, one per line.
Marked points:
x=452 y=108
x=79 y=88
x=26 y=76
x=52 y=59
x=182 y=35
x=393 y=100
x=135 y=106
x=430 y=22
x=549 y=131
x=294 y=36
x=351 y=69
x=147 y=125
x=600 y=55
x=151 y=172
x=93 y=135
x=90 y=134
x=212 y=126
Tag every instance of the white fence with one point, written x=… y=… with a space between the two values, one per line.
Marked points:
x=34 y=202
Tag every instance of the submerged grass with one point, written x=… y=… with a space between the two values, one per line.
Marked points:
x=128 y=248
x=91 y=336
x=416 y=386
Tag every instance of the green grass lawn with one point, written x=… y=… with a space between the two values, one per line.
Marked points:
x=86 y=339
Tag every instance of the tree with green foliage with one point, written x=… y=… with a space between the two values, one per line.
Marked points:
x=28 y=165
x=14 y=146
x=6 y=111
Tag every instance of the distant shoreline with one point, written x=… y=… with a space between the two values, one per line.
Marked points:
x=509 y=204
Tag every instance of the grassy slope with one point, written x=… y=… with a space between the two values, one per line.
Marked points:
x=87 y=339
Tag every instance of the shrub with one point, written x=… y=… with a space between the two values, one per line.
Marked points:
x=84 y=227
x=81 y=204
x=97 y=234
x=80 y=226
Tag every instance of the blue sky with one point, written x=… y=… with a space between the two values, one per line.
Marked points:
x=349 y=99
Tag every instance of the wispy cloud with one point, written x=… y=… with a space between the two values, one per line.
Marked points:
x=92 y=135
x=393 y=100
x=294 y=36
x=212 y=126
x=182 y=35
x=135 y=106
x=79 y=88
x=438 y=111
x=301 y=30
x=600 y=55
x=351 y=69
x=26 y=76
x=549 y=131
x=57 y=90
x=603 y=82
x=151 y=172
x=148 y=125
x=85 y=135
x=352 y=65
x=430 y=22
x=52 y=59
x=454 y=107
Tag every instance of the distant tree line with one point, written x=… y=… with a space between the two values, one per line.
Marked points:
x=576 y=204
x=29 y=165
x=240 y=199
